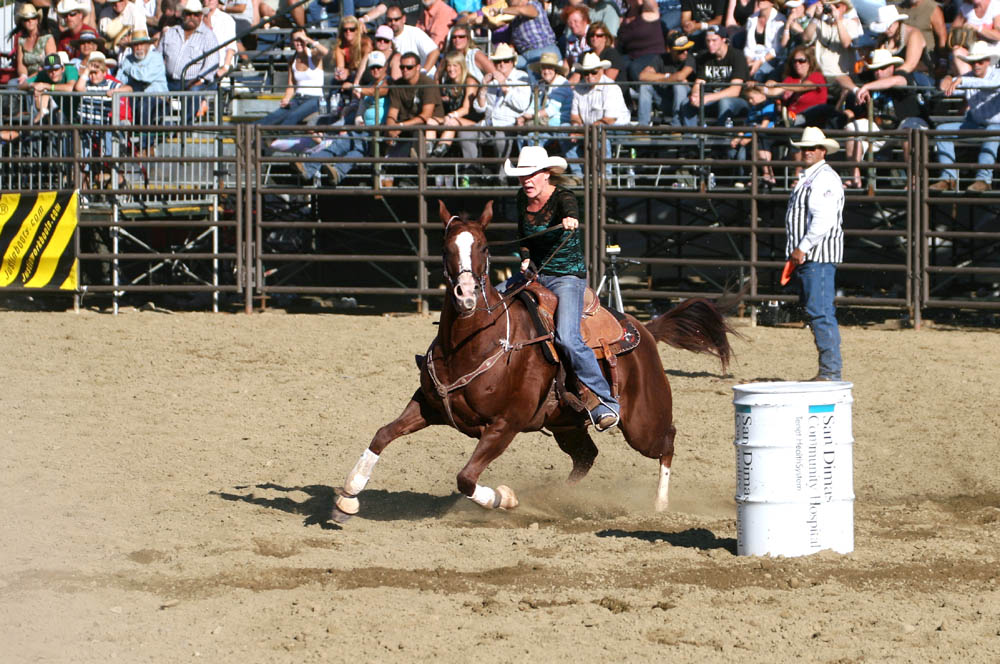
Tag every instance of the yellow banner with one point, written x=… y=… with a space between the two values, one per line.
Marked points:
x=36 y=233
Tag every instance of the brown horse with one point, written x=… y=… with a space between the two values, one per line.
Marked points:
x=485 y=375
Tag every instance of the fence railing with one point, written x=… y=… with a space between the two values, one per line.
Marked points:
x=262 y=212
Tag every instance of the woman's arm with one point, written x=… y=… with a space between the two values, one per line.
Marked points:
x=319 y=48
x=290 y=87
x=81 y=84
x=22 y=70
x=915 y=46
x=362 y=68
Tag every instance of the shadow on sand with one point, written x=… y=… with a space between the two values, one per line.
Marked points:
x=692 y=538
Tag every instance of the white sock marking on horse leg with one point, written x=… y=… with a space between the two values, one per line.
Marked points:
x=663 y=489
x=485 y=497
x=358 y=478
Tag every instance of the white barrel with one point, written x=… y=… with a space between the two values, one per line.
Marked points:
x=794 y=468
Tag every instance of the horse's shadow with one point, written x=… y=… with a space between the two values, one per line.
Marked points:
x=692 y=538
x=379 y=505
x=677 y=373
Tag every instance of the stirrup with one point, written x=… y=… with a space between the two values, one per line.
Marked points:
x=606 y=420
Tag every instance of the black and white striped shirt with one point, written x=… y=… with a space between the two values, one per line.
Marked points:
x=814 y=220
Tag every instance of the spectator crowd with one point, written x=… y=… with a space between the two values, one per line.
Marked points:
x=453 y=64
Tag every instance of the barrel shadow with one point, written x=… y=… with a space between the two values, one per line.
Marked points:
x=692 y=538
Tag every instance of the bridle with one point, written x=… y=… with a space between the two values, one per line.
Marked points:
x=480 y=280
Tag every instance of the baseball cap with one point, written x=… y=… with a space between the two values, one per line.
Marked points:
x=376 y=59
x=384 y=32
x=52 y=61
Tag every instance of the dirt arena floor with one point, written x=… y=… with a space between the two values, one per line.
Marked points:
x=166 y=480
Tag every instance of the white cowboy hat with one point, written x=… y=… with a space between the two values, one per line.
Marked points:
x=812 y=136
x=887 y=15
x=504 y=52
x=881 y=57
x=548 y=60
x=534 y=158
x=980 y=51
x=590 y=62
x=67 y=6
x=193 y=7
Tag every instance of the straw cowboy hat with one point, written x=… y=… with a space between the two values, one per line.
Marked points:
x=534 y=158
x=813 y=136
x=887 y=16
x=980 y=51
x=67 y=6
x=116 y=32
x=139 y=37
x=548 y=60
x=881 y=57
x=590 y=62
x=26 y=11
x=504 y=52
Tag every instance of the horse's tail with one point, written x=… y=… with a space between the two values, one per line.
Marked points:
x=696 y=325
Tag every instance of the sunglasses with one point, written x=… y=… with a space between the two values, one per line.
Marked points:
x=507 y=61
x=812 y=148
x=407 y=67
x=393 y=19
x=376 y=66
x=800 y=61
x=593 y=72
x=600 y=34
x=75 y=12
x=350 y=29
x=382 y=39
x=460 y=36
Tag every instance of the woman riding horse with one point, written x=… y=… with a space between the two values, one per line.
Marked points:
x=542 y=204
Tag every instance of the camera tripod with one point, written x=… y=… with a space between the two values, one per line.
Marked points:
x=610 y=278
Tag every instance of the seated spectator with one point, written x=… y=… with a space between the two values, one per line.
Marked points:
x=383 y=44
x=796 y=22
x=96 y=108
x=32 y=45
x=834 y=26
x=181 y=44
x=927 y=17
x=982 y=16
x=372 y=91
x=117 y=20
x=601 y=43
x=718 y=65
x=142 y=70
x=223 y=26
x=903 y=41
x=73 y=13
x=895 y=105
x=597 y=100
x=436 y=20
x=242 y=13
x=764 y=49
x=762 y=114
x=504 y=96
x=803 y=90
x=697 y=15
x=668 y=81
x=305 y=82
x=477 y=63
x=352 y=48
x=54 y=76
x=411 y=10
x=640 y=36
x=411 y=39
x=457 y=91
x=553 y=94
x=982 y=93
x=171 y=13
x=88 y=42
x=577 y=20
x=409 y=105
x=530 y=31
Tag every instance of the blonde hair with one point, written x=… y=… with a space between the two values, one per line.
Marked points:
x=455 y=58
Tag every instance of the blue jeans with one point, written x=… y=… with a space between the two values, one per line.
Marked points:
x=657 y=95
x=342 y=146
x=572 y=150
x=327 y=14
x=299 y=108
x=987 y=152
x=569 y=290
x=818 y=291
x=670 y=14
x=727 y=107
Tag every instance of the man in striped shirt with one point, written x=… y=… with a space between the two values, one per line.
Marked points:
x=815 y=244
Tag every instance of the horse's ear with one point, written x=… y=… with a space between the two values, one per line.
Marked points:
x=487 y=216
x=443 y=211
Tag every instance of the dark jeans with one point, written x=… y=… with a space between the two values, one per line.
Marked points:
x=299 y=108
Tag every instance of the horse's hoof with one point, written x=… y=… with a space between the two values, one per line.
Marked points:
x=339 y=517
x=347 y=504
x=508 y=500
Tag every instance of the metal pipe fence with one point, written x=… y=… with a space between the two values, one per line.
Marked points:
x=254 y=213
